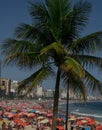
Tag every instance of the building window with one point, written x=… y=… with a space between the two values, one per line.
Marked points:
x=3 y=83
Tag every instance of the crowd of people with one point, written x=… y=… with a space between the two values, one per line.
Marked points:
x=20 y=115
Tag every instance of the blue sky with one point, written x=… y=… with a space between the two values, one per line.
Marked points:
x=13 y=12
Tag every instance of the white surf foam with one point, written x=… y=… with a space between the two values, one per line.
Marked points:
x=83 y=114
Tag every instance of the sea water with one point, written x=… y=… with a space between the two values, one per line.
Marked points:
x=91 y=109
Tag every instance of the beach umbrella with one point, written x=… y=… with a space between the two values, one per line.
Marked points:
x=37 y=112
x=72 y=119
x=90 y=121
x=40 y=117
x=97 y=122
x=80 y=118
x=23 y=124
x=60 y=127
x=14 y=111
x=49 y=115
x=10 y=115
x=44 y=121
x=99 y=127
x=21 y=114
x=59 y=119
x=18 y=121
x=43 y=113
x=7 y=113
x=31 y=115
x=59 y=115
x=81 y=122
x=72 y=116
x=32 y=111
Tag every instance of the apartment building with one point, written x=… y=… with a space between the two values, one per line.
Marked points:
x=4 y=86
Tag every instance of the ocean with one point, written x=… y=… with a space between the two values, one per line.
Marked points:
x=91 y=109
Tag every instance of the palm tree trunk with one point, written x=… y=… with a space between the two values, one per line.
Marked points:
x=56 y=98
x=67 y=107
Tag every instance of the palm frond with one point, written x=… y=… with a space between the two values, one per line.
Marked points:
x=92 y=83
x=57 y=47
x=22 y=53
x=89 y=61
x=28 y=32
x=57 y=11
x=75 y=84
x=89 y=43
x=79 y=89
x=81 y=12
x=36 y=78
x=38 y=12
x=31 y=33
x=69 y=64
x=75 y=22
x=34 y=33
x=22 y=60
x=10 y=46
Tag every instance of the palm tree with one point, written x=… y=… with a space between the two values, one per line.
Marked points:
x=67 y=65
x=54 y=40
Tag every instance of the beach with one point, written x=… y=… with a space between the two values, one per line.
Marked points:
x=34 y=114
x=25 y=114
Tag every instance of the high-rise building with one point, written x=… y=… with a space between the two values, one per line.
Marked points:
x=4 y=86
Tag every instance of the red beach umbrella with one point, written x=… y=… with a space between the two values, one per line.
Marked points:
x=60 y=127
x=10 y=115
x=81 y=122
x=23 y=124
x=44 y=113
x=18 y=121
x=31 y=115
x=21 y=114
x=7 y=113
x=59 y=119
x=99 y=127
x=49 y=115
x=90 y=121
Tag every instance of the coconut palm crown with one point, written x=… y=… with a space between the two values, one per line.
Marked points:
x=54 y=43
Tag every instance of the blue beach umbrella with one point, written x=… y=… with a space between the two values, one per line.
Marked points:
x=32 y=111
x=61 y=116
